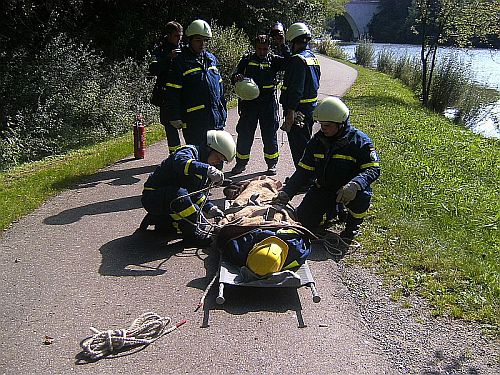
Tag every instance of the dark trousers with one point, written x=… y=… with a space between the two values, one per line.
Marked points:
x=251 y=113
x=319 y=205
x=173 y=139
x=167 y=207
x=299 y=136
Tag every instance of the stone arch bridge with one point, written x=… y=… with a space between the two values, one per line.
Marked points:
x=359 y=13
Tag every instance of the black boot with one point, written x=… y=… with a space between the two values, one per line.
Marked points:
x=238 y=168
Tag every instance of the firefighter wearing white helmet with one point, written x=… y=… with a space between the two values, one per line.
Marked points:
x=255 y=80
x=344 y=163
x=172 y=194
x=199 y=27
x=299 y=93
x=195 y=93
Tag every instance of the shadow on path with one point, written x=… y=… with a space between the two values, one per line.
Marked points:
x=72 y=215
x=132 y=255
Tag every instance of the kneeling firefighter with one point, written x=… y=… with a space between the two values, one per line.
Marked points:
x=171 y=193
x=344 y=163
x=266 y=251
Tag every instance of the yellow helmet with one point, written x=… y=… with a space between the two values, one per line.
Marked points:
x=223 y=142
x=296 y=30
x=199 y=27
x=267 y=256
x=331 y=109
x=247 y=89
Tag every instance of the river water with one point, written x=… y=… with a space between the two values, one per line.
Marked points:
x=485 y=67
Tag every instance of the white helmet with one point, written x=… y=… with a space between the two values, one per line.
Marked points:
x=331 y=109
x=199 y=27
x=296 y=30
x=223 y=142
x=247 y=89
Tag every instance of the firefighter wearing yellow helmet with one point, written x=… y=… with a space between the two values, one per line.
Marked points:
x=344 y=163
x=195 y=93
x=172 y=196
x=255 y=84
x=299 y=93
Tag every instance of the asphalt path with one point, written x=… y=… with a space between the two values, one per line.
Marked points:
x=77 y=262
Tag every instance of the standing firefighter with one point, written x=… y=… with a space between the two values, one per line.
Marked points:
x=255 y=79
x=299 y=93
x=163 y=54
x=344 y=162
x=195 y=95
x=171 y=193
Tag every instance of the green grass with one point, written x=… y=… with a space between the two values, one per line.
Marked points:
x=434 y=226
x=26 y=187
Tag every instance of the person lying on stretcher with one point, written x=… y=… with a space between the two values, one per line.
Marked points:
x=267 y=251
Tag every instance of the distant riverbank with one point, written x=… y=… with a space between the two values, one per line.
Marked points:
x=483 y=63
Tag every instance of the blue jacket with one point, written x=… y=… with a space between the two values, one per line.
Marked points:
x=195 y=93
x=263 y=71
x=299 y=248
x=182 y=169
x=301 y=82
x=334 y=162
x=160 y=67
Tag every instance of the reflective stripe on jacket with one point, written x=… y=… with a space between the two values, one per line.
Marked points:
x=182 y=169
x=195 y=93
x=335 y=162
x=264 y=71
x=301 y=81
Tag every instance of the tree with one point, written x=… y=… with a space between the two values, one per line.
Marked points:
x=458 y=22
x=389 y=25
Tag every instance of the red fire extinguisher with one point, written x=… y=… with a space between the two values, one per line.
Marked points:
x=139 y=137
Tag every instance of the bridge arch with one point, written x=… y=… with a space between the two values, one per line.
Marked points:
x=359 y=13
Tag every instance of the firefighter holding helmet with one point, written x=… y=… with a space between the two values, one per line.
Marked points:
x=255 y=84
x=168 y=192
x=344 y=163
x=195 y=93
x=299 y=93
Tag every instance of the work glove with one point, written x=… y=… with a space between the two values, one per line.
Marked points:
x=347 y=192
x=214 y=174
x=289 y=118
x=293 y=118
x=177 y=124
x=282 y=198
x=214 y=212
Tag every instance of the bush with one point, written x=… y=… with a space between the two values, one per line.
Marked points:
x=447 y=85
x=63 y=97
x=228 y=44
x=329 y=48
x=364 y=52
x=385 y=62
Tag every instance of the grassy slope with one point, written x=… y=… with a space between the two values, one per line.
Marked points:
x=24 y=188
x=434 y=226
x=435 y=222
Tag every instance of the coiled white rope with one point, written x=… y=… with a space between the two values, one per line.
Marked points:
x=144 y=330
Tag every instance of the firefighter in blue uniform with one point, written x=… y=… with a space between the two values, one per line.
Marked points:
x=195 y=94
x=266 y=251
x=299 y=93
x=344 y=162
x=163 y=54
x=255 y=79
x=170 y=193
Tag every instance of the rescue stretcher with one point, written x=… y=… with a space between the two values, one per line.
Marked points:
x=232 y=275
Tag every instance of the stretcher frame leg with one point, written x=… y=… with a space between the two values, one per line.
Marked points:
x=220 y=298
x=315 y=294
